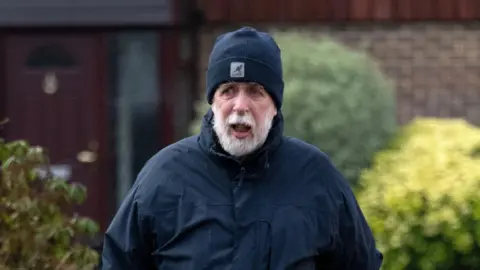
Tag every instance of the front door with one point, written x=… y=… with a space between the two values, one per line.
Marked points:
x=54 y=98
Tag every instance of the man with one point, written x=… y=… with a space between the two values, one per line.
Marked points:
x=240 y=195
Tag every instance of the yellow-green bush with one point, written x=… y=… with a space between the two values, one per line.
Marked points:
x=422 y=196
x=35 y=231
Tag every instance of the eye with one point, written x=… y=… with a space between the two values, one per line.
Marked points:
x=256 y=91
x=228 y=91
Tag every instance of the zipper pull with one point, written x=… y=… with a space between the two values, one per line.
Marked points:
x=242 y=176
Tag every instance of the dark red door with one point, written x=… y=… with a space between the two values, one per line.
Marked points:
x=53 y=99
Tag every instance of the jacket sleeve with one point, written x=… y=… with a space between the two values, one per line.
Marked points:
x=125 y=242
x=355 y=247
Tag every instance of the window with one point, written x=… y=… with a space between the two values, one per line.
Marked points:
x=48 y=56
x=134 y=67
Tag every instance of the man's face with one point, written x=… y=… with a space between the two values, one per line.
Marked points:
x=243 y=114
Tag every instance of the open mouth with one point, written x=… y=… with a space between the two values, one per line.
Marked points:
x=240 y=130
x=240 y=127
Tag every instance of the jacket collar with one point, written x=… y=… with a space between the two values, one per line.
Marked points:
x=209 y=142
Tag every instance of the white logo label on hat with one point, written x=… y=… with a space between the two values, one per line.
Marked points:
x=237 y=70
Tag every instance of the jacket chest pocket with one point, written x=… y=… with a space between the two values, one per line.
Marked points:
x=181 y=235
x=297 y=236
x=194 y=236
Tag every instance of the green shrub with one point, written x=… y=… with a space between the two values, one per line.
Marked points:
x=201 y=107
x=335 y=98
x=35 y=232
x=421 y=197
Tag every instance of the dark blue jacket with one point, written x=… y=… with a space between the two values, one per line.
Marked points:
x=285 y=207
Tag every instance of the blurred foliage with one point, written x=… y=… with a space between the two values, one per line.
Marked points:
x=35 y=232
x=421 y=197
x=201 y=108
x=335 y=98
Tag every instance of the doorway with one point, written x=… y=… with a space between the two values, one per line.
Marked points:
x=54 y=98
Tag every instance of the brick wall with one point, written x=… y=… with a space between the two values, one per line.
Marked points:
x=435 y=66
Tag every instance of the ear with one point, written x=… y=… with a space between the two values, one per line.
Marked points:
x=213 y=107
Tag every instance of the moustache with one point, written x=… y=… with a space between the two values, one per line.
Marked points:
x=236 y=119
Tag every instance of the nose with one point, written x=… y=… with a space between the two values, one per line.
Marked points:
x=241 y=103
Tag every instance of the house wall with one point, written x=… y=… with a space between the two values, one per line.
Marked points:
x=267 y=11
x=435 y=65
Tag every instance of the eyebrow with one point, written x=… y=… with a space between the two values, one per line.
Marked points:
x=228 y=84
x=224 y=86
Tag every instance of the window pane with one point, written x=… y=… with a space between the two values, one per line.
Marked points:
x=136 y=105
x=49 y=56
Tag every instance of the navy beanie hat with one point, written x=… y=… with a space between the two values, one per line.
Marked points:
x=246 y=55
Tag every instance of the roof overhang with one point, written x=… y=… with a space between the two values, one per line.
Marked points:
x=85 y=12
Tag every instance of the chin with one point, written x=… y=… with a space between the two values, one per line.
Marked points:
x=238 y=146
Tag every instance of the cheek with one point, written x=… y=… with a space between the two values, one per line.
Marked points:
x=259 y=118
x=220 y=110
x=263 y=114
